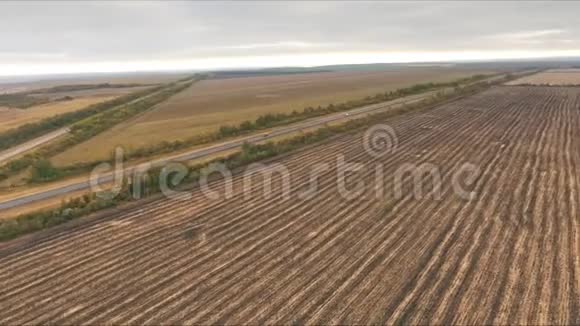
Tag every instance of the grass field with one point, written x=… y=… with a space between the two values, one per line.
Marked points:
x=212 y=103
x=551 y=77
x=507 y=256
x=12 y=118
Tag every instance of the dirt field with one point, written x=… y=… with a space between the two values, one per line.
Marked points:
x=551 y=77
x=12 y=118
x=508 y=256
x=213 y=103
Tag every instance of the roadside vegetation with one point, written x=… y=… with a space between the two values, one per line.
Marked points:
x=91 y=127
x=83 y=87
x=11 y=228
x=10 y=119
x=97 y=119
x=21 y=101
x=28 y=99
x=218 y=102
x=30 y=131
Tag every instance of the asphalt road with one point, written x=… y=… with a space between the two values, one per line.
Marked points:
x=9 y=154
x=223 y=147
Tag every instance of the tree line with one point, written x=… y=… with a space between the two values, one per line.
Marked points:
x=98 y=123
x=33 y=130
x=250 y=153
x=99 y=120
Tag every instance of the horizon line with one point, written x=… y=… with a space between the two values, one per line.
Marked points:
x=189 y=67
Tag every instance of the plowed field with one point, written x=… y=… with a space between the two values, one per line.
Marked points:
x=560 y=77
x=510 y=255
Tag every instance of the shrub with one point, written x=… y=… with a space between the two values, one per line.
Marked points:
x=42 y=170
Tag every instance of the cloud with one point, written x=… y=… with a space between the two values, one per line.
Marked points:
x=91 y=34
x=283 y=45
x=527 y=35
x=540 y=38
x=536 y=34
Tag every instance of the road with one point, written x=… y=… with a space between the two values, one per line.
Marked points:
x=227 y=146
x=20 y=149
x=219 y=148
x=13 y=152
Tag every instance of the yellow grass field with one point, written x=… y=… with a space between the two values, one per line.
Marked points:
x=12 y=118
x=551 y=77
x=212 y=103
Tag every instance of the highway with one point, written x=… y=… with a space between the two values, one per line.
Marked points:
x=219 y=148
x=226 y=146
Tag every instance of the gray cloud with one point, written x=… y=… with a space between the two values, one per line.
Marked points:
x=61 y=32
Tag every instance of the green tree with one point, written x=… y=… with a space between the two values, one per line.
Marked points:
x=43 y=170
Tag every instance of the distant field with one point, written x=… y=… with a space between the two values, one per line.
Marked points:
x=13 y=86
x=212 y=103
x=12 y=118
x=551 y=77
x=114 y=92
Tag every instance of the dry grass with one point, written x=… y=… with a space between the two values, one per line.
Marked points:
x=551 y=77
x=12 y=118
x=212 y=103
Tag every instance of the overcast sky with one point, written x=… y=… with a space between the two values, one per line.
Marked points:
x=60 y=37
